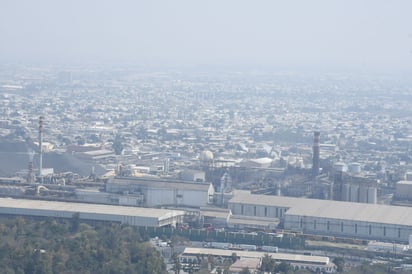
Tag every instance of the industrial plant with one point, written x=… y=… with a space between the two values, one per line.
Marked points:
x=206 y=164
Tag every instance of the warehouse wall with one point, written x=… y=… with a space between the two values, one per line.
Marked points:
x=348 y=228
x=131 y=220
x=169 y=196
x=257 y=210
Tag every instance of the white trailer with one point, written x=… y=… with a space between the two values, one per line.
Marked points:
x=220 y=245
x=269 y=248
x=248 y=247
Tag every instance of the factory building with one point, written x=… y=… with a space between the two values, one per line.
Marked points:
x=191 y=175
x=246 y=204
x=352 y=187
x=403 y=190
x=314 y=263
x=91 y=212
x=160 y=192
x=325 y=217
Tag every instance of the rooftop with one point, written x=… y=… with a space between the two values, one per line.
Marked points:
x=374 y=213
x=160 y=183
x=255 y=254
x=87 y=208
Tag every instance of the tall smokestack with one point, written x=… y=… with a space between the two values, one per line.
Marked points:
x=30 y=175
x=316 y=152
x=41 y=119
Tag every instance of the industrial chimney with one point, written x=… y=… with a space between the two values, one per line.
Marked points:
x=30 y=175
x=316 y=152
x=41 y=119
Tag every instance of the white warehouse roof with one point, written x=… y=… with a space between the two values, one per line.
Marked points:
x=97 y=212
x=374 y=213
x=297 y=258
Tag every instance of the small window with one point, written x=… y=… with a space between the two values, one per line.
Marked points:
x=384 y=231
x=314 y=224
x=341 y=227
x=241 y=209
x=266 y=211
x=301 y=222
x=254 y=210
x=399 y=232
x=356 y=228
x=328 y=226
x=370 y=229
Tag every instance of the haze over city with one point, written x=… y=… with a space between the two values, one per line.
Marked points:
x=206 y=136
x=346 y=35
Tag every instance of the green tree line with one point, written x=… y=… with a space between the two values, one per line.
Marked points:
x=51 y=246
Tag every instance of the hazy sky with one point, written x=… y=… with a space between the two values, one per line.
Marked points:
x=358 y=34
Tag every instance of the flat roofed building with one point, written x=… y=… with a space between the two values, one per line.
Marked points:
x=325 y=217
x=297 y=260
x=253 y=264
x=403 y=190
x=246 y=204
x=161 y=192
x=136 y=216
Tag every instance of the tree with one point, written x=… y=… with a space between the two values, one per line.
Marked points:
x=283 y=267
x=234 y=257
x=268 y=264
x=176 y=263
x=245 y=271
x=340 y=263
x=51 y=247
x=75 y=222
x=117 y=145
x=80 y=140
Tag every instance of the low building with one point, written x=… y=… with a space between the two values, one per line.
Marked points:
x=136 y=216
x=325 y=217
x=403 y=190
x=252 y=264
x=387 y=247
x=298 y=261
x=101 y=155
x=161 y=192
x=193 y=175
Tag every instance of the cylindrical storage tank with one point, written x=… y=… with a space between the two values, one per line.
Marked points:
x=363 y=194
x=354 y=168
x=340 y=167
x=354 y=193
x=346 y=192
x=372 y=195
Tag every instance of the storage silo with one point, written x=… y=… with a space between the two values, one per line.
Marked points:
x=363 y=194
x=340 y=167
x=346 y=192
x=372 y=195
x=354 y=193
x=354 y=168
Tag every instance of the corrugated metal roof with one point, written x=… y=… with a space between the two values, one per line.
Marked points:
x=376 y=213
x=256 y=254
x=88 y=208
x=245 y=197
